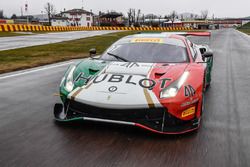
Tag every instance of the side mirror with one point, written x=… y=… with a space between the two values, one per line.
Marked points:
x=207 y=55
x=92 y=52
x=203 y=50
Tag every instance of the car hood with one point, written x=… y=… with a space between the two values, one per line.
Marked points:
x=154 y=71
x=127 y=85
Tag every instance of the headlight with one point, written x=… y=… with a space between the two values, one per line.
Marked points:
x=169 y=92
x=69 y=83
x=172 y=89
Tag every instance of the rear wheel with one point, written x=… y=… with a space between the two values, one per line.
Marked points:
x=208 y=83
x=209 y=73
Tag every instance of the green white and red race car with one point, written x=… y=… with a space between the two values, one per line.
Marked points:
x=152 y=81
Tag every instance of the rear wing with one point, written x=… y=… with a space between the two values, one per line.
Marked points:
x=192 y=36
x=202 y=34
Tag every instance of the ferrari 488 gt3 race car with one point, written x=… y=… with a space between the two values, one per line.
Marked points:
x=154 y=81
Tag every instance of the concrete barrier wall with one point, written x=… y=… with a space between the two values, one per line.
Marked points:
x=32 y=28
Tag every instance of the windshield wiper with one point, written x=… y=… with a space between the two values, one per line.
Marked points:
x=117 y=57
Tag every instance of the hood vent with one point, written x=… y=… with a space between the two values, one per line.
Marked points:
x=92 y=71
x=159 y=75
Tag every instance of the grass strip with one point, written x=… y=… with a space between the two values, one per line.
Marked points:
x=23 y=58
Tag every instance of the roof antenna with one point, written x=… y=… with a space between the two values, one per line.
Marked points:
x=82 y=4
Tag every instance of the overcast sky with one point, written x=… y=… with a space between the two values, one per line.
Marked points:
x=220 y=8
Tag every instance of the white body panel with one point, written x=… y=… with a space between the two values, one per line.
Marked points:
x=129 y=94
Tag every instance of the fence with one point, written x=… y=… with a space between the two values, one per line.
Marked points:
x=31 y=28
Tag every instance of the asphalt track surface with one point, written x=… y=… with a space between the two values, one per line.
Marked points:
x=7 y=43
x=30 y=137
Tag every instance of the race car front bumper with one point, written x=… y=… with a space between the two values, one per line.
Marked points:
x=158 y=120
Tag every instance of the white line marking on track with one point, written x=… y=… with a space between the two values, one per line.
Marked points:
x=36 y=70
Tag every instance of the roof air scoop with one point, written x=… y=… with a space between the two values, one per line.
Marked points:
x=158 y=75
x=93 y=71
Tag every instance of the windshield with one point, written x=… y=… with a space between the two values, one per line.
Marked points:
x=147 y=53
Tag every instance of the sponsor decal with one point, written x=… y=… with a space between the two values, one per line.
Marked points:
x=189 y=103
x=189 y=91
x=149 y=99
x=147 y=40
x=147 y=83
x=131 y=64
x=117 y=78
x=188 y=112
x=76 y=93
x=164 y=81
x=82 y=77
x=113 y=88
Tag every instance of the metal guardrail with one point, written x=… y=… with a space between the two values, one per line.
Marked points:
x=30 y=28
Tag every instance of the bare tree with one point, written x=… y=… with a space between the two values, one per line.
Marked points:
x=138 y=16
x=133 y=17
x=166 y=17
x=204 y=14
x=130 y=17
x=213 y=17
x=50 y=10
x=172 y=17
x=143 y=19
x=13 y=16
x=160 y=25
x=191 y=16
x=1 y=14
x=182 y=17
